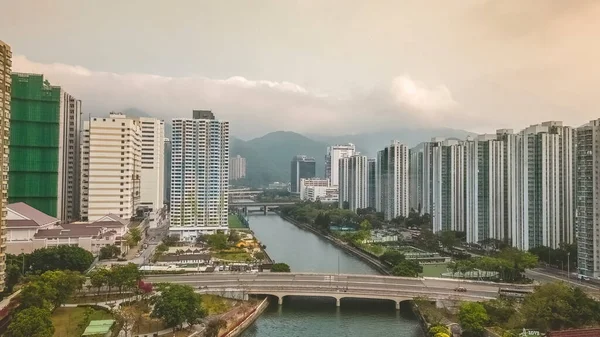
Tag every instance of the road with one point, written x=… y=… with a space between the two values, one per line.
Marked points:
x=352 y=284
x=543 y=276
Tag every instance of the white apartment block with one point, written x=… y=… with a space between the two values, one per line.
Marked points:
x=199 y=175
x=332 y=160
x=538 y=187
x=354 y=182
x=314 y=189
x=392 y=181
x=587 y=186
x=237 y=167
x=69 y=159
x=111 y=167
x=152 y=188
x=484 y=188
x=437 y=182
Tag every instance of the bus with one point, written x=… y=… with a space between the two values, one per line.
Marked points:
x=514 y=293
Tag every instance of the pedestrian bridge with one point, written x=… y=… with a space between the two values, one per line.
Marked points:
x=337 y=286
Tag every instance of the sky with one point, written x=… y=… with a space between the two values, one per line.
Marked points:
x=319 y=66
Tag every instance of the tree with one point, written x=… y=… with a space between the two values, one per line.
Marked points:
x=217 y=241
x=125 y=276
x=60 y=258
x=136 y=235
x=280 y=268
x=392 y=257
x=31 y=322
x=322 y=221
x=99 y=278
x=346 y=205
x=259 y=256
x=365 y=225
x=407 y=268
x=214 y=326
x=234 y=237
x=438 y=329
x=472 y=317
x=109 y=252
x=171 y=240
x=65 y=283
x=178 y=304
x=38 y=294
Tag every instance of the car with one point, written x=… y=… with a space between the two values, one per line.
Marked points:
x=460 y=289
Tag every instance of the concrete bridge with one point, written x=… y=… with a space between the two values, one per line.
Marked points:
x=339 y=286
x=264 y=207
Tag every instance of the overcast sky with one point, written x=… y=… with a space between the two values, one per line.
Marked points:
x=319 y=66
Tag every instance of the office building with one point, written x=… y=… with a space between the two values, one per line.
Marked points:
x=237 y=167
x=302 y=167
x=199 y=175
x=392 y=181
x=314 y=189
x=167 y=177
x=372 y=182
x=332 y=160
x=45 y=142
x=152 y=183
x=111 y=167
x=587 y=187
x=5 y=111
x=353 y=182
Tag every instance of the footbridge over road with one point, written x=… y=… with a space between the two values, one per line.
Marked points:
x=338 y=286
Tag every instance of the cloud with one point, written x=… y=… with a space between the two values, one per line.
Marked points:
x=253 y=107
x=419 y=97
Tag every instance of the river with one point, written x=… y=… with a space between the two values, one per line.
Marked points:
x=319 y=317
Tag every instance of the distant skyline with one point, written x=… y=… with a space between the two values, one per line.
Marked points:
x=329 y=67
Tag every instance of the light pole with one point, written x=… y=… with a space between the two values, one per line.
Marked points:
x=23 y=263
x=568 y=265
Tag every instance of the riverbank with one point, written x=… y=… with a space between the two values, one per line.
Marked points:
x=367 y=258
x=248 y=320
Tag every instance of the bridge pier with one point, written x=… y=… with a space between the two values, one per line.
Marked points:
x=280 y=300
x=265 y=209
x=245 y=211
x=337 y=302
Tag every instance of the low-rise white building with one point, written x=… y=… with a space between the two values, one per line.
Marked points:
x=317 y=189
x=29 y=229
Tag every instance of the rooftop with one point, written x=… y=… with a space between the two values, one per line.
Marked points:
x=25 y=212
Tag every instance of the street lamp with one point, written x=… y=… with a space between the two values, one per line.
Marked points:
x=568 y=265
x=23 y=264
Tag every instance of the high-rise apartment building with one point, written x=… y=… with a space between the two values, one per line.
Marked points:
x=302 y=167
x=332 y=160
x=392 y=181
x=437 y=182
x=484 y=188
x=5 y=98
x=45 y=135
x=152 y=181
x=587 y=187
x=199 y=175
x=372 y=182
x=111 y=167
x=237 y=167
x=167 y=178
x=354 y=182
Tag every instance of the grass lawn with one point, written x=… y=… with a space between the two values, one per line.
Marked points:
x=237 y=255
x=234 y=222
x=216 y=305
x=67 y=321
x=433 y=270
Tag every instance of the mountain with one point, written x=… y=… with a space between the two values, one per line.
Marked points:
x=268 y=158
x=370 y=143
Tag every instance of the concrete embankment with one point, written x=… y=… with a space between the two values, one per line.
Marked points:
x=364 y=256
x=248 y=320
